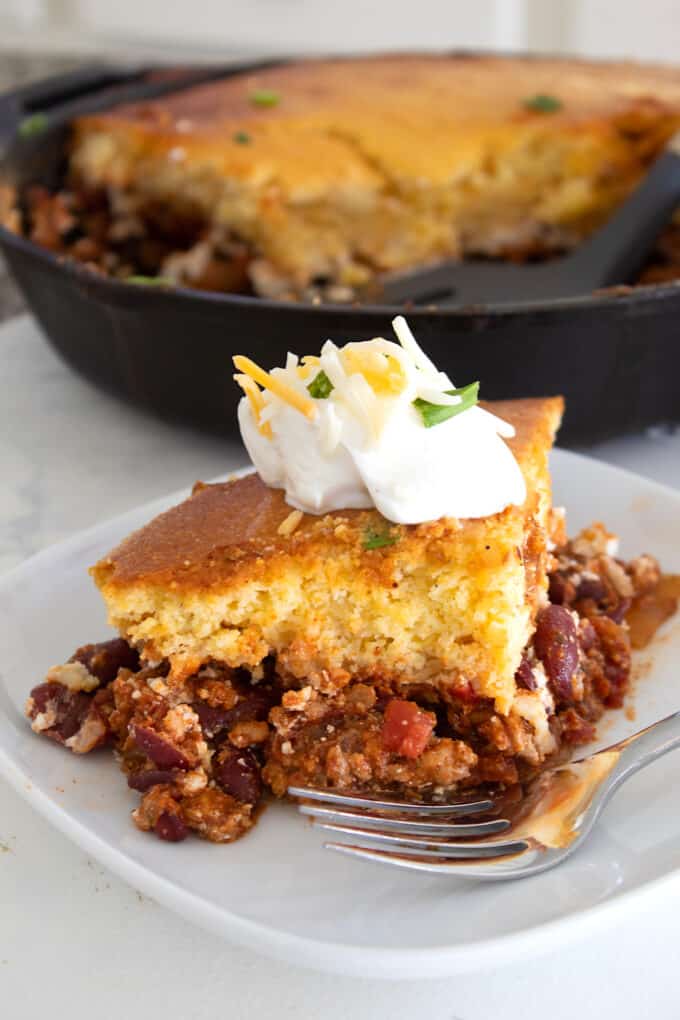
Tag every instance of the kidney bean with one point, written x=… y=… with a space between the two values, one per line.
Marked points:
x=213 y=720
x=618 y=612
x=69 y=707
x=558 y=588
x=74 y=708
x=592 y=588
x=161 y=752
x=253 y=705
x=524 y=677
x=73 y=717
x=556 y=644
x=237 y=772
x=171 y=828
x=41 y=697
x=103 y=660
x=143 y=781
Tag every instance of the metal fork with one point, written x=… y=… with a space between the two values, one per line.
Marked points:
x=554 y=816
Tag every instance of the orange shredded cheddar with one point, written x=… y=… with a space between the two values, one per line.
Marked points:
x=254 y=395
x=286 y=393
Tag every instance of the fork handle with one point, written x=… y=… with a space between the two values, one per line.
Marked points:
x=635 y=753
x=646 y=746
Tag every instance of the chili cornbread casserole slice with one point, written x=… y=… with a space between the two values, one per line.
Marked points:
x=223 y=577
x=311 y=178
x=263 y=645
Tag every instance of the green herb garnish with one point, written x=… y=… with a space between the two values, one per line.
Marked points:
x=435 y=414
x=320 y=387
x=543 y=103
x=151 y=281
x=242 y=138
x=378 y=539
x=33 y=125
x=264 y=97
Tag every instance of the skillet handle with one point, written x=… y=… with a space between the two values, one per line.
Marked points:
x=34 y=108
x=30 y=105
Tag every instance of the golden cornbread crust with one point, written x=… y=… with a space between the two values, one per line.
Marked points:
x=380 y=163
x=215 y=579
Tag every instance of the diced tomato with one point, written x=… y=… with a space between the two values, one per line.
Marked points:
x=464 y=691
x=407 y=728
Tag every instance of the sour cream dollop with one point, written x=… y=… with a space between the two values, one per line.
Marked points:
x=365 y=443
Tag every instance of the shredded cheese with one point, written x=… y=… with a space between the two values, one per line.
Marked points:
x=254 y=395
x=420 y=359
x=305 y=405
x=381 y=369
x=288 y=526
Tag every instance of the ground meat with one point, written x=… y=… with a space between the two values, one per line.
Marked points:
x=120 y=236
x=211 y=814
x=216 y=816
x=214 y=783
x=174 y=740
x=160 y=812
x=202 y=750
x=361 y=743
x=582 y=643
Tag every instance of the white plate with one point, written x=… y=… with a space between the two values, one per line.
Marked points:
x=277 y=890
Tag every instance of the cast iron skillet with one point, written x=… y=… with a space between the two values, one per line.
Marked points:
x=614 y=355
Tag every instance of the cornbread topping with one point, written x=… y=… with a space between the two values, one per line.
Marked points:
x=285 y=183
x=375 y=424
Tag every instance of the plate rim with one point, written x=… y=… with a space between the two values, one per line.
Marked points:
x=386 y=962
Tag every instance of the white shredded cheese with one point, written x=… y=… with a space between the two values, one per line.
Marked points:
x=358 y=438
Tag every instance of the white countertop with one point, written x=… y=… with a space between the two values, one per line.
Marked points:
x=76 y=941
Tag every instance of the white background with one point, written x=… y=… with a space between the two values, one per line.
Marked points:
x=648 y=30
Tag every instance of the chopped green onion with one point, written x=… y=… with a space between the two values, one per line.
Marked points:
x=151 y=281
x=33 y=125
x=320 y=387
x=543 y=103
x=242 y=138
x=264 y=97
x=378 y=539
x=435 y=414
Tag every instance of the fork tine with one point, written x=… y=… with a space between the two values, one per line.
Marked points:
x=363 y=820
x=495 y=869
x=426 y=847
x=470 y=807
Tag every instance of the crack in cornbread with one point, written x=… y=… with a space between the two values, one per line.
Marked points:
x=423 y=157
x=217 y=579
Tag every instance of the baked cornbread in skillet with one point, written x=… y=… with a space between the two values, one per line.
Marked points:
x=223 y=578
x=330 y=171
